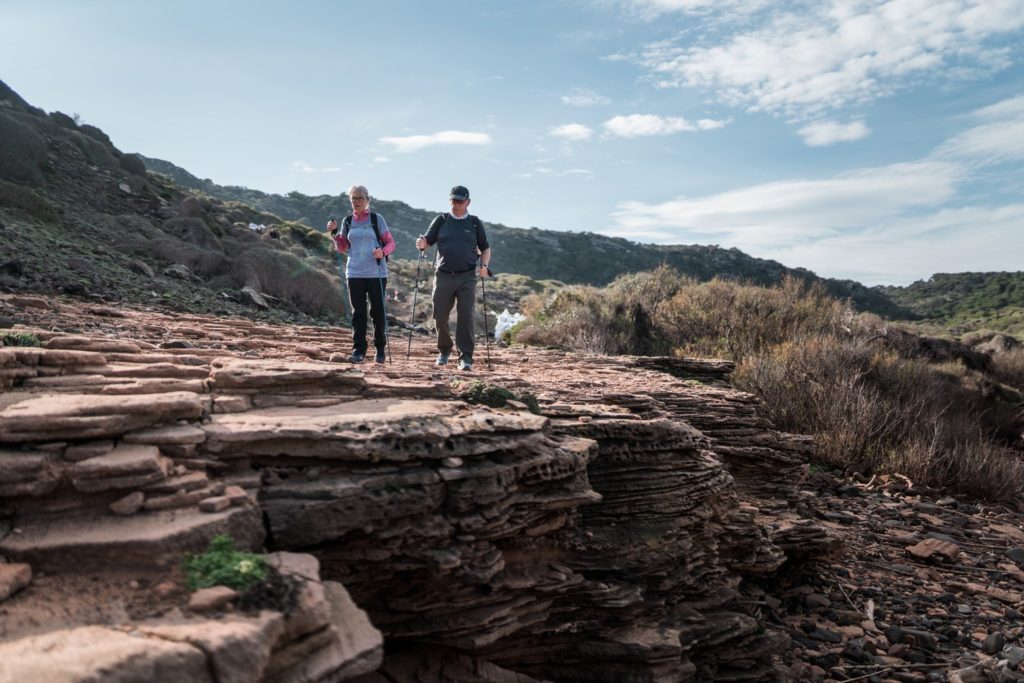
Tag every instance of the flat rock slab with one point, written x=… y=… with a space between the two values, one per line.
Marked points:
x=935 y=548
x=95 y=653
x=142 y=540
x=50 y=417
x=28 y=473
x=93 y=344
x=249 y=376
x=53 y=357
x=179 y=435
x=127 y=466
x=374 y=430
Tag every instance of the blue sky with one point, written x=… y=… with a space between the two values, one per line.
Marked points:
x=879 y=140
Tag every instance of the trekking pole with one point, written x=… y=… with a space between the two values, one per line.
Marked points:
x=384 y=309
x=341 y=273
x=487 y=339
x=415 y=294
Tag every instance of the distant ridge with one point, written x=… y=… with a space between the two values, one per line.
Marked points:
x=571 y=257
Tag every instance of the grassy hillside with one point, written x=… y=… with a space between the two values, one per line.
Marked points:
x=966 y=301
x=81 y=217
x=572 y=257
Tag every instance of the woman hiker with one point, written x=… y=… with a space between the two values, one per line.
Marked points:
x=366 y=238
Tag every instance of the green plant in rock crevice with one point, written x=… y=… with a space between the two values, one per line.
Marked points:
x=481 y=393
x=222 y=565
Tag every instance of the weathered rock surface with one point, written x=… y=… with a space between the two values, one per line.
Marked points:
x=649 y=525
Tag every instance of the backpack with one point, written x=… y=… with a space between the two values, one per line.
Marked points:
x=346 y=223
x=473 y=220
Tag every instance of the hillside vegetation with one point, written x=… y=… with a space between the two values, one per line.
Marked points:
x=572 y=257
x=966 y=301
x=877 y=399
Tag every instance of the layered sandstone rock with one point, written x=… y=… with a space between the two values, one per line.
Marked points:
x=603 y=540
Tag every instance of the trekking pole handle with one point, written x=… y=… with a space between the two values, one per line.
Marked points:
x=334 y=232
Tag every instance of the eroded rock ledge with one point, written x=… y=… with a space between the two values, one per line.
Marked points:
x=609 y=539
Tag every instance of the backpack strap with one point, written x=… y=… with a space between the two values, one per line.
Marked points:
x=346 y=223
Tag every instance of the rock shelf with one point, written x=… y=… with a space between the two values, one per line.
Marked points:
x=648 y=525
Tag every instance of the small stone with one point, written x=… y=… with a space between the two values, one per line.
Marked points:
x=816 y=600
x=14 y=577
x=211 y=599
x=214 y=504
x=993 y=643
x=236 y=495
x=1016 y=554
x=128 y=505
x=452 y=461
x=165 y=589
x=933 y=547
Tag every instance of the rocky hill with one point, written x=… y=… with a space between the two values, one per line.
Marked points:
x=644 y=524
x=570 y=257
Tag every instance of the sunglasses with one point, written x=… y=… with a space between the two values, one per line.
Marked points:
x=458 y=201
x=359 y=199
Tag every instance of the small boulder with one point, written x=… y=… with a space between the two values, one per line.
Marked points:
x=178 y=271
x=251 y=296
x=211 y=599
x=128 y=505
x=141 y=267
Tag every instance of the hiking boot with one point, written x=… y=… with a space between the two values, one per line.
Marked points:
x=379 y=358
x=465 y=364
x=357 y=357
x=442 y=359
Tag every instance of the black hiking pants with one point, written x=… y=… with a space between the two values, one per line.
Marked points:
x=359 y=290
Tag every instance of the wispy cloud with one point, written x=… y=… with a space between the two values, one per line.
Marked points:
x=640 y=125
x=304 y=167
x=825 y=133
x=785 y=212
x=651 y=9
x=885 y=224
x=999 y=136
x=822 y=56
x=582 y=97
x=414 y=143
x=572 y=131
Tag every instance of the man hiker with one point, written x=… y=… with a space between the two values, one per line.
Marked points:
x=365 y=236
x=459 y=237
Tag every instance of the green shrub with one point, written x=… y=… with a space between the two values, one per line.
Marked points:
x=22 y=150
x=222 y=565
x=21 y=339
x=289 y=277
x=481 y=393
x=29 y=201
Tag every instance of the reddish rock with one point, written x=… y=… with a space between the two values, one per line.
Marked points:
x=13 y=577
x=211 y=599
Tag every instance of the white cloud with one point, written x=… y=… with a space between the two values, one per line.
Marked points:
x=651 y=9
x=999 y=138
x=572 y=131
x=414 y=143
x=302 y=167
x=381 y=159
x=913 y=248
x=582 y=97
x=830 y=132
x=781 y=214
x=820 y=56
x=638 y=125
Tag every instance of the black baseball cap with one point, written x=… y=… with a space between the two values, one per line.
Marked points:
x=459 y=192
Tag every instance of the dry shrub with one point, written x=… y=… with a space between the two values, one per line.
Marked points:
x=872 y=410
x=978 y=467
x=288 y=277
x=573 y=318
x=1008 y=366
x=735 y=320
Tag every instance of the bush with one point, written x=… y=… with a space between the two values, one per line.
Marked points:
x=20 y=339
x=222 y=565
x=29 y=201
x=875 y=397
x=22 y=150
x=288 y=277
x=481 y=393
